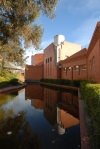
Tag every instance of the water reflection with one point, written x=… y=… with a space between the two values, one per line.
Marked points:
x=60 y=109
x=16 y=133
x=35 y=94
x=52 y=113
x=7 y=97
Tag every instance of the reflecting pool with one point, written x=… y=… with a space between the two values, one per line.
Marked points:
x=39 y=117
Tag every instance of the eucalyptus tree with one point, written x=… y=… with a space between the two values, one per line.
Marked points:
x=18 y=24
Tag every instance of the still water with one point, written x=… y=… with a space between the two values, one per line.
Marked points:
x=39 y=117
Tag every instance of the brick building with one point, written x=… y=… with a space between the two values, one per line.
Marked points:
x=34 y=72
x=93 y=56
x=54 y=53
x=50 y=60
x=75 y=67
x=84 y=64
x=66 y=60
x=37 y=59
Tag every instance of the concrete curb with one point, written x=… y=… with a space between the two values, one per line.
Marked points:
x=6 y=89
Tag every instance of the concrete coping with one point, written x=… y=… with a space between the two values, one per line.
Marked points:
x=6 y=89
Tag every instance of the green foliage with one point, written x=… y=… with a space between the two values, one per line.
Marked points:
x=76 y=83
x=14 y=81
x=12 y=53
x=18 y=28
x=91 y=94
x=17 y=20
x=6 y=75
x=4 y=84
x=7 y=79
x=66 y=82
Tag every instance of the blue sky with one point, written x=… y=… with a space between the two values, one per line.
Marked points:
x=75 y=19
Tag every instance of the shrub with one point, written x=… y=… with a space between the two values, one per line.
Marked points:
x=7 y=78
x=14 y=81
x=67 y=82
x=91 y=95
x=61 y=81
x=76 y=83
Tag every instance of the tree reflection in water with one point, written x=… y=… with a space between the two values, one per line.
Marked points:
x=15 y=133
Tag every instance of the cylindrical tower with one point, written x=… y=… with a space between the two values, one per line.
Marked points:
x=58 y=39
x=58 y=127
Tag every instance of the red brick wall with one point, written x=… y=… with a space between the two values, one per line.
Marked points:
x=33 y=72
x=74 y=74
x=69 y=75
x=50 y=69
x=66 y=74
x=94 y=69
x=80 y=74
x=37 y=59
x=83 y=74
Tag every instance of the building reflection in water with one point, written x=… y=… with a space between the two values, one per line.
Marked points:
x=60 y=108
x=35 y=94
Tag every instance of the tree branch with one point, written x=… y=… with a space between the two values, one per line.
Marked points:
x=3 y=15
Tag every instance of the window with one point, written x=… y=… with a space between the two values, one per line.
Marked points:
x=64 y=69
x=83 y=66
x=92 y=62
x=50 y=68
x=69 y=68
x=76 y=67
x=50 y=59
x=46 y=69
